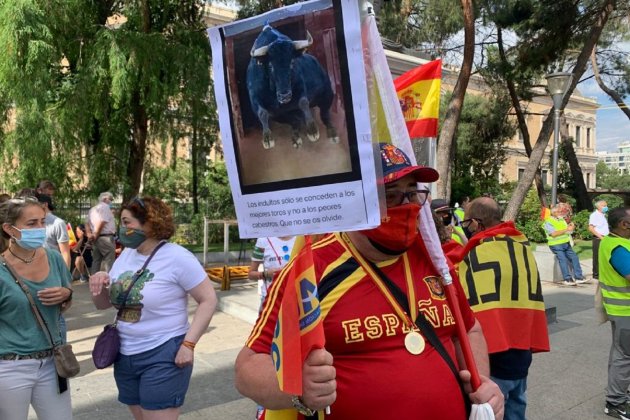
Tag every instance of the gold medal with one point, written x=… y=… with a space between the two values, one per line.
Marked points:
x=414 y=342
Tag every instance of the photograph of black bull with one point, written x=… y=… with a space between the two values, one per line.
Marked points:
x=284 y=83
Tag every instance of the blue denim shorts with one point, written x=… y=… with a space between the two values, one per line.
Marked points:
x=151 y=379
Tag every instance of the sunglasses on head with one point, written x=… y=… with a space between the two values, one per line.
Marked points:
x=140 y=202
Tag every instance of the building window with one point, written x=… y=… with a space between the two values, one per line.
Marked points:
x=577 y=136
x=588 y=180
x=621 y=158
x=521 y=172
x=588 y=137
x=520 y=136
x=544 y=176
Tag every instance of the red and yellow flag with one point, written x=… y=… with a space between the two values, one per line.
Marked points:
x=72 y=239
x=419 y=95
x=299 y=328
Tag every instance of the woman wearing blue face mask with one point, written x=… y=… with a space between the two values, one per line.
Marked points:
x=154 y=365
x=27 y=369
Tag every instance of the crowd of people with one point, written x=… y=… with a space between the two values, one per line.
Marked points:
x=383 y=306
x=149 y=283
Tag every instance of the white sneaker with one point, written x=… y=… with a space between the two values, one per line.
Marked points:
x=569 y=283
x=583 y=281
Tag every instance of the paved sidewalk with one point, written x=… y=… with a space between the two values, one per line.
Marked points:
x=211 y=394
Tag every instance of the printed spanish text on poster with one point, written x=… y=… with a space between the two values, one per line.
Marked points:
x=294 y=119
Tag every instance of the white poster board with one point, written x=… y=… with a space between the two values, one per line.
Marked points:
x=312 y=170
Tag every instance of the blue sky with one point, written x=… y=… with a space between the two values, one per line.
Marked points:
x=613 y=127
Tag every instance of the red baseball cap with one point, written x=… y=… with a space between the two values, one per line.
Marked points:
x=396 y=164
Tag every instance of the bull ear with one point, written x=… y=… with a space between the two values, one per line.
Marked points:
x=259 y=52
x=305 y=43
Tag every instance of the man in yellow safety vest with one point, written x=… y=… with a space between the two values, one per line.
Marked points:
x=559 y=240
x=614 y=280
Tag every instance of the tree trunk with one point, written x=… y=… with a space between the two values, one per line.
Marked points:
x=137 y=150
x=582 y=201
x=140 y=129
x=520 y=118
x=610 y=92
x=195 y=166
x=451 y=120
x=511 y=211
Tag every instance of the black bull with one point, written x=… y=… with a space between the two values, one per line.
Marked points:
x=284 y=83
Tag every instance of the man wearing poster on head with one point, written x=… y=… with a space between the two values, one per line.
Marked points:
x=374 y=286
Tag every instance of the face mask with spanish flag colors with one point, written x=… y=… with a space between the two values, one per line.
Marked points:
x=397 y=231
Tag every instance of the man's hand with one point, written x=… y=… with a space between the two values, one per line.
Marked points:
x=488 y=392
x=319 y=387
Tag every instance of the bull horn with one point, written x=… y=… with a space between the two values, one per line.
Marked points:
x=300 y=45
x=259 y=52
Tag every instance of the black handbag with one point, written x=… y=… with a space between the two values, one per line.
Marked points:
x=107 y=345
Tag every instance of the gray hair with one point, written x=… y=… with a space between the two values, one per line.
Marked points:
x=599 y=203
x=102 y=196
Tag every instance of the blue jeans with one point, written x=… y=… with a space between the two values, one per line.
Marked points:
x=63 y=329
x=566 y=255
x=515 y=393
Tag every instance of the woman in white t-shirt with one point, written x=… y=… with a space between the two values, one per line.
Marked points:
x=154 y=365
x=269 y=256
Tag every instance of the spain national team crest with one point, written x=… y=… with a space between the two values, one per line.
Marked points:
x=435 y=287
x=309 y=305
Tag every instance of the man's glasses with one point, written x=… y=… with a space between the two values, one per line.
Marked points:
x=466 y=222
x=395 y=197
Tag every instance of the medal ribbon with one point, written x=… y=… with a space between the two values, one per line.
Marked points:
x=385 y=291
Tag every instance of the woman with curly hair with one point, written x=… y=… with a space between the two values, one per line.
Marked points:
x=154 y=366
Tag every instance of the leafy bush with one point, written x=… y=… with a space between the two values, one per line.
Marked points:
x=533 y=230
x=581 y=225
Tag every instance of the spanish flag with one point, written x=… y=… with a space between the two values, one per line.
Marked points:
x=72 y=239
x=419 y=95
x=299 y=328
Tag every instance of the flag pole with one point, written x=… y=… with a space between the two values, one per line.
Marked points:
x=400 y=138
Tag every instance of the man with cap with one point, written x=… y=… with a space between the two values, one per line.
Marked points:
x=441 y=208
x=375 y=287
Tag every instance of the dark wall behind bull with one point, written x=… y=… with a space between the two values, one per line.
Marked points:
x=295 y=29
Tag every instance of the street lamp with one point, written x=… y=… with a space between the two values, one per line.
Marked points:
x=557 y=85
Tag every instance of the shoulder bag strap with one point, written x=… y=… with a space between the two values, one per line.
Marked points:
x=27 y=292
x=135 y=278
x=421 y=322
x=426 y=328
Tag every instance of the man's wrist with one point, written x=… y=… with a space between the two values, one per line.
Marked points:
x=301 y=408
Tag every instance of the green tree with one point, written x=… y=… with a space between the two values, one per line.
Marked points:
x=483 y=130
x=610 y=178
x=93 y=84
